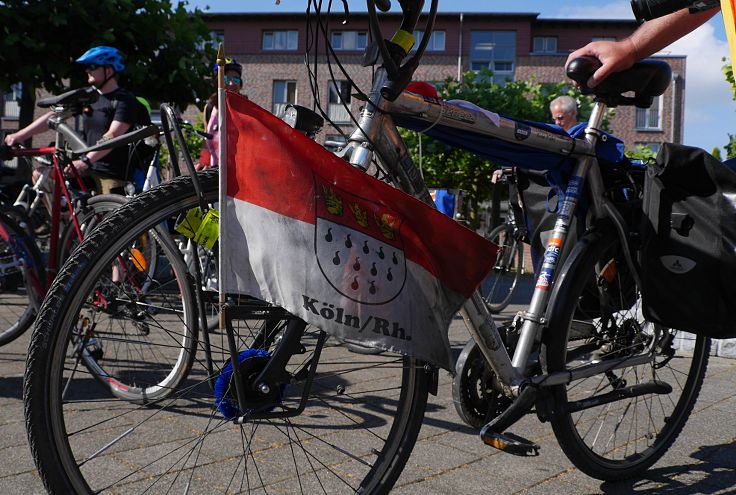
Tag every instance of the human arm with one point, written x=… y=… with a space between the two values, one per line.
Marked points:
x=651 y=37
x=117 y=128
x=36 y=127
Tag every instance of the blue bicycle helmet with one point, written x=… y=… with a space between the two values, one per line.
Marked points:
x=103 y=55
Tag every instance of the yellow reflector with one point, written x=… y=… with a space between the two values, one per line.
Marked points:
x=139 y=261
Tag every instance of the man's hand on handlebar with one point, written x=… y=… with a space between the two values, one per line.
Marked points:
x=614 y=56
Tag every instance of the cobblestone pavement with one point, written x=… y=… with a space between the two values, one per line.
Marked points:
x=450 y=459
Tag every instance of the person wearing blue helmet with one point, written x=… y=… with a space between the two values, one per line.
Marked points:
x=114 y=113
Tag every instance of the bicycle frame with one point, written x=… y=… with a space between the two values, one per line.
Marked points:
x=377 y=133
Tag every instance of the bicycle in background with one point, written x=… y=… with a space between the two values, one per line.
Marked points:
x=49 y=218
x=502 y=283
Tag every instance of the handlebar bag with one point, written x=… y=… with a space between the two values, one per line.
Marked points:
x=688 y=254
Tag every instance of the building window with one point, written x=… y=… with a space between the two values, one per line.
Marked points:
x=603 y=38
x=280 y=40
x=349 y=40
x=11 y=108
x=544 y=44
x=650 y=118
x=284 y=92
x=339 y=93
x=334 y=142
x=495 y=50
x=436 y=41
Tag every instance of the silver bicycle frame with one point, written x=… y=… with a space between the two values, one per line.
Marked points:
x=377 y=133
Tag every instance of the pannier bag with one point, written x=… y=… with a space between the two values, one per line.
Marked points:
x=688 y=254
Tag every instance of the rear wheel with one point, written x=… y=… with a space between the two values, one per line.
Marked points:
x=598 y=318
x=500 y=285
x=361 y=418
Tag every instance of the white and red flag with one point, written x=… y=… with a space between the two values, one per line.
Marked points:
x=305 y=230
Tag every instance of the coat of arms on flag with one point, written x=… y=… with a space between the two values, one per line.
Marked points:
x=303 y=229
x=358 y=246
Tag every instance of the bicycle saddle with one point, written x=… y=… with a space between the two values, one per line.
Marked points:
x=75 y=98
x=646 y=79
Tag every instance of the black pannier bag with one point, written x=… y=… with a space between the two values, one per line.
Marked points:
x=541 y=204
x=688 y=254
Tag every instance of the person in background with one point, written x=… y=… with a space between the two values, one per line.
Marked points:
x=564 y=111
x=233 y=82
x=112 y=115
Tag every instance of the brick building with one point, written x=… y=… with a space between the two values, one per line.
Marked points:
x=516 y=46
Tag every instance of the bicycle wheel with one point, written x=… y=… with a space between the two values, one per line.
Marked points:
x=597 y=317
x=22 y=279
x=361 y=418
x=499 y=286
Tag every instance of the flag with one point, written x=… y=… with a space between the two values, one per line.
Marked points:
x=303 y=229
x=728 y=8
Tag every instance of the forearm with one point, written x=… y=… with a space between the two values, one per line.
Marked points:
x=659 y=33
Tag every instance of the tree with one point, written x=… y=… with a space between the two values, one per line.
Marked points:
x=167 y=48
x=448 y=167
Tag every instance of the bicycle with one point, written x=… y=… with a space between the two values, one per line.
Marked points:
x=35 y=240
x=264 y=419
x=499 y=288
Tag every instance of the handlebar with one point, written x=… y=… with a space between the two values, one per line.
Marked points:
x=394 y=51
x=130 y=137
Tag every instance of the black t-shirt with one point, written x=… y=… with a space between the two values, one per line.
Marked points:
x=97 y=122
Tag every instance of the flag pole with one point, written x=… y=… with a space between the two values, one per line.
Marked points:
x=222 y=161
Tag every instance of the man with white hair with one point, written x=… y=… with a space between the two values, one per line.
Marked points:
x=564 y=111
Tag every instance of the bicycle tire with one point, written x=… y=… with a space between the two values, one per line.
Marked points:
x=88 y=217
x=621 y=439
x=355 y=436
x=23 y=279
x=500 y=286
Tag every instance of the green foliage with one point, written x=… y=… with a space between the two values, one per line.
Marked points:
x=731 y=147
x=641 y=152
x=167 y=48
x=728 y=72
x=717 y=153
x=447 y=167
x=193 y=141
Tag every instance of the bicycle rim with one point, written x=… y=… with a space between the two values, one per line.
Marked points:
x=361 y=419
x=619 y=439
x=500 y=285
x=21 y=279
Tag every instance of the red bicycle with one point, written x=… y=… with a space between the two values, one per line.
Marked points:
x=31 y=252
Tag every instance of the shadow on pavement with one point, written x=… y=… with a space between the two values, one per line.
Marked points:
x=712 y=470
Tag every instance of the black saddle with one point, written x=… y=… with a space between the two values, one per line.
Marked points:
x=646 y=79
x=76 y=98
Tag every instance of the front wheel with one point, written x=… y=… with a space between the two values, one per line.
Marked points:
x=361 y=418
x=597 y=317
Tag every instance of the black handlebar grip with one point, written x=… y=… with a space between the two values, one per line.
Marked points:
x=4 y=152
x=580 y=69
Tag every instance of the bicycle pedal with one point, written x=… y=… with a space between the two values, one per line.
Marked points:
x=510 y=443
